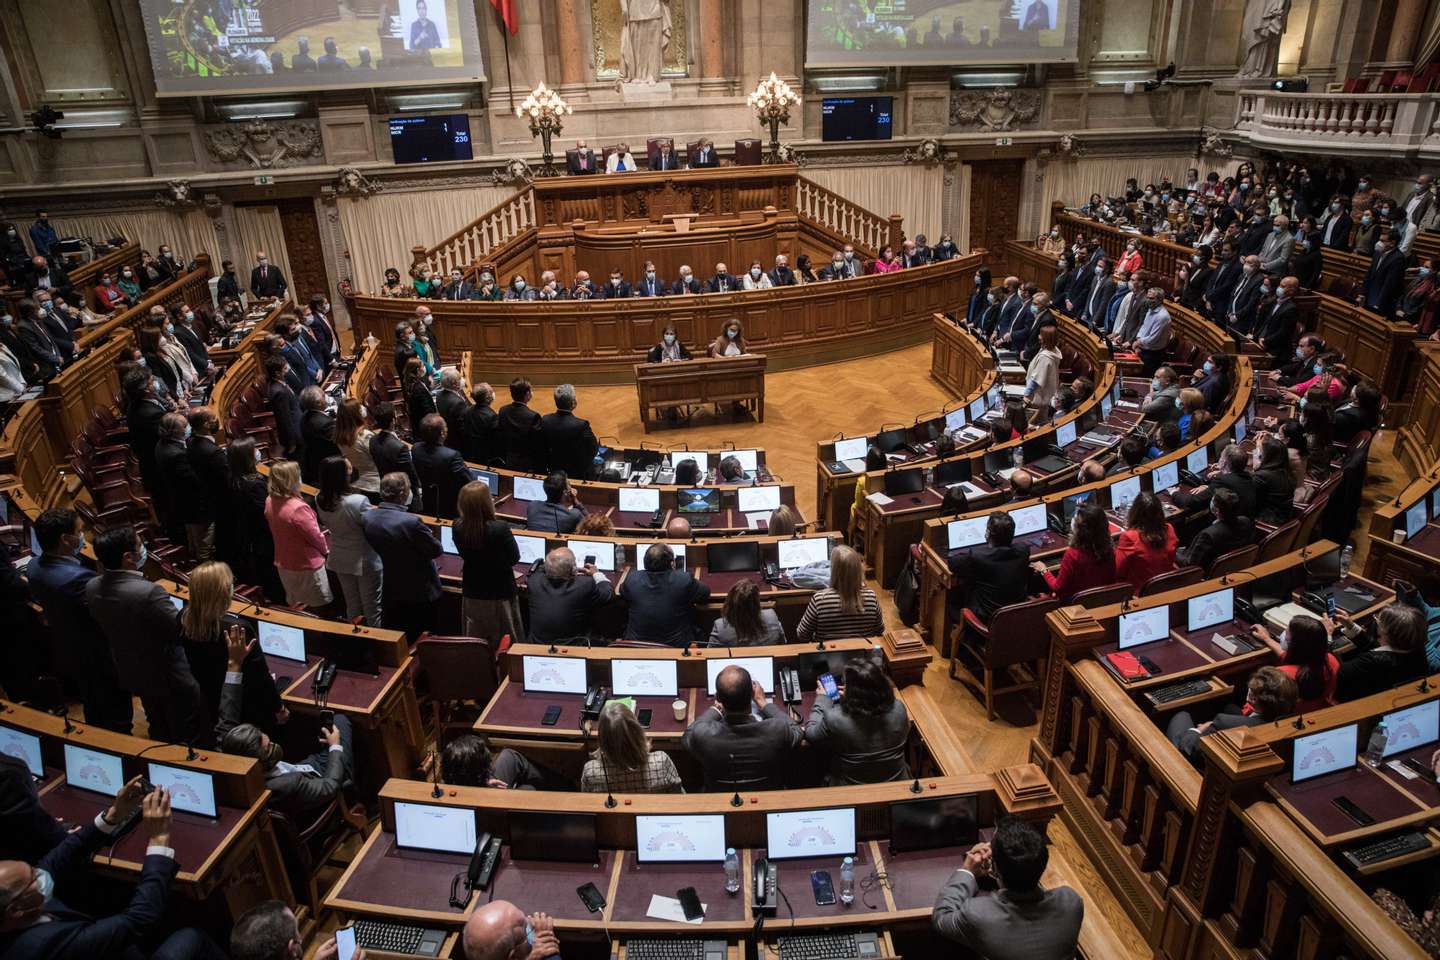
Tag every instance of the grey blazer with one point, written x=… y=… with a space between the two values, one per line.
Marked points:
x=872 y=751
x=1039 y=925
x=350 y=552
x=723 y=635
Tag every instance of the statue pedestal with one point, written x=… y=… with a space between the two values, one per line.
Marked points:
x=632 y=92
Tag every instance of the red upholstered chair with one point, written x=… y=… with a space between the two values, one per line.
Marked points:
x=747 y=153
x=454 y=671
x=1234 y=561
x=1016 y=636
x=1172 y=580
x=1278 y=542
x=692 y=147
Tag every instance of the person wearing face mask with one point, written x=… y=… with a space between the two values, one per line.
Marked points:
x=177 y=501
x=979 y=303
x=392 y=287
x=1051 y=244
x=755 y=278
x=316 y=320
x=584 y=288
x=1276 y=249
x=12 y=370
x=1244 y=300
x=1366 y=196
x=487 y=288
x=1308 y=260
x=499 y=930
x=458 y=288
x=427 y=282
x=616 y=288
x=669 y=349
x=1385 y=279
x=13 y=256
x=42 y=234
x=550 y=288
x=722 y=282
x=109 y=296
x=730 y=342
x=1164 y=391
x=1064 y=275
x=687 y=285
x=1275 y=320
x=1418 y=204
x=1153 y=337
x=266 y=281
x=1367 y=233
x=782 y=275
x=1335 y=233
x=1419 y=302
x=1193 y=279
x=837 y=270
x=944 y=250
x=520 y=289
x=1132 y=259
x=650 y=285
x=150 y=275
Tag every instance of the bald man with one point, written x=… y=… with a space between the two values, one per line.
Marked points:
x=499 y=931
x=678 y=529
x=735 y=749
x=266 y=280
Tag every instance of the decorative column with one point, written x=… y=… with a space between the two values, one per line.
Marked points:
x=712 y=46
x=1405 y=29
x=572 y=47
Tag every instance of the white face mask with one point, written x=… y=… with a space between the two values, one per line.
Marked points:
x=669 y=338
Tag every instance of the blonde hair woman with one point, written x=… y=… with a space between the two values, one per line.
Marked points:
x=489 y=604
x=847 y=608
x=203 y=625
x=623 y=761
x=300 y=547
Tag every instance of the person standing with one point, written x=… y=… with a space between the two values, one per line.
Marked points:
x=355 y=564
x=300 y=547
x=407 y=550
x=570 y=444
x=266 y=281
x=490 y=605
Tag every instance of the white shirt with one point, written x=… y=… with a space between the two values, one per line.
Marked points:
x=12 y=381
x=749 y=283
x=612 y=162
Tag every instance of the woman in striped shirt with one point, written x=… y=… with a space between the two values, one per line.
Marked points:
x=847 y=608
x=624 y=762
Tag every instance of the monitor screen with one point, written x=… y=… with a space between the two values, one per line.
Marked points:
x=528 y=488
x=531 y=548
x=1065 y=434
x=856 y=118
x=435 y=139
x=604 y=553
x=279 y=640
x=639 y=499
x=756 y=499
x=732 y=557
x=966 y=533
x=1407 y=729
x=797 y=553
x=851 y=449
x=1166 y=475
x=643 y=678
x=430 y=826
x=697 y=500
x=1415 y=519
x=992 y=395
x=930 y=824
x=1239 y=430
x=701 y=458
x=1144 y=626
x=977 y=408
x=904 y=482
x=1210 y=609
x=698 y=838
x=1106 y=405
x=952 y=471
x=22 y=746
x=891 y=440
x=447 y=539
x=190 y=790
x=563 y=837
x=1435 y=502
x=749 y=459
x=93 y=770
x=1071 y=505
x=1029 y=519
x=810 y=833
x=553 y=674
x=177 y=603
x=1122 y=492
x=492 y=480
x=761 y=670
x=1325 y=752
x=954 y=419
x=1198 y=460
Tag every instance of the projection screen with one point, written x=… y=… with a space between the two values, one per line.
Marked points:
x=207 y=47
x=882 y=33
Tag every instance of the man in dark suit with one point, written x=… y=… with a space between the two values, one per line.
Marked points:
x=1238 y=310
x=580 y=160
x=1010 y=307
x=723 y=281
x=266 y=281
x=212 y=474
x=1097 y=299
x=390 y=453
x=37 y=923
x=40 y=345
x=195 y=348
x=735 y=750
x=998 y=572
x=1275 y=322
x=458 y=288
x=665 y=158
x=1361 y=413
x=441 y=469
x=687 y=284
x=520 y=429
x=1297 y=368
x=175 y=503
x=1271 y=694
x=302 y=62
x=618 y=288
x=229 y=284
x=480 y=427
x=46 y=274
x=705 y=155
x=650 y=285
x=27 y=832
x=782 y=275
x=560 y=511
x=143 y=630
x=1385 y=279
x=1234 y=476
x=563 y=599
x=407 y=551
x=910 y=255
x=570 y=444
x=1022 y=920
x=143 y=419
x=1222 y=283
x=1230 y=530
x=317 y=432
x=662 y=600
x=1335 y=234
x=57 y=580
x=451 y=404
x=316 y=323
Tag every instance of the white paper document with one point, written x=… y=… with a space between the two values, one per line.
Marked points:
x=668 y=908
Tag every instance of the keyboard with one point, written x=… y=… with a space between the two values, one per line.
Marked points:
x=830 y=946
x=1179 y=691
x=1398 y=845
x=676 y=950
x=698 y=519
x=398 y=938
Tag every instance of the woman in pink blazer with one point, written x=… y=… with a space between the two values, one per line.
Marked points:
x=887 y=262
x=300 y=547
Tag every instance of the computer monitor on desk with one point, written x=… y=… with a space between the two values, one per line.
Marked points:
x=431 y=826
x=761 y=670
x=560 y=837
x=899 y=483
x=1139 y=627
x=698 y=838
x=492 y=480
x=954 y=470
x=1328 y=751
x=810 y=833
x=93 y=770
x=966 y=533
x=531 y=548
x=644 y=678
x=1210 y=610
x=553 y=674
x=794 y=554
x=1412 y=727
x=698 y=500
x=749 y=459
x=701 y=458
x=931 y=824
x=891 y=440
x=192 y=791
x=528 y=488
x=851 y=448
x=22 y=746
x=639 y=499
x=732 y=557
x=756 y=499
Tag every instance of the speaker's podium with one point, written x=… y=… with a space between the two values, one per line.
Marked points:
x=686 y=384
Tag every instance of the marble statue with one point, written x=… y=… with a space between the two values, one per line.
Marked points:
x=1264 y=26
x=645 y=27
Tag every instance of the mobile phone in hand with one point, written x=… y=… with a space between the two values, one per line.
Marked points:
x=827 y=683
x=327 y=719
x=345 y=943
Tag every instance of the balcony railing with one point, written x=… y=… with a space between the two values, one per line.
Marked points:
x=1367 y=123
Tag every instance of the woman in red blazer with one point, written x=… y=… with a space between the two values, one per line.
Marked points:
x=109 y=297
x=1089 y=561
x=1147 y=547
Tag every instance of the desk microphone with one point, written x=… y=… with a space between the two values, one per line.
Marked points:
x=64 y=715
x=688 y=644
x=915 y=787
x=735 y=801
x=435 y=791
x=610 y=801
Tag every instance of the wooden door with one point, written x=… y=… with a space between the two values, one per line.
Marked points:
x=302 y=244
x=994 y=202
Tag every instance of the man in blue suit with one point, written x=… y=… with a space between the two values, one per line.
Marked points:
x=1009 y=309
x=1385 y=279
x=35 y=922
x=407 y=551
x=58 y=579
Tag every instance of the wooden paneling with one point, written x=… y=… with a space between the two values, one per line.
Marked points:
x=302 y=243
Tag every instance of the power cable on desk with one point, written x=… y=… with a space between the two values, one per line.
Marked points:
x=876 y=879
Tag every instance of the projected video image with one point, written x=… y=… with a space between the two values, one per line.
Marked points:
x=211 y=46
x=875 y=32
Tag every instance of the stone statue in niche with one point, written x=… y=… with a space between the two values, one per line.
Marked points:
x=1261 y=33
x=645 y=28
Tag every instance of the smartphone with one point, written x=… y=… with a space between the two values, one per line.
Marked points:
x=552 y=716
x=644 y=717
x=827 y=683
x=1330 y=605
x=345 y=943
x=824 y=888
x=327 y=718
x=680 y=563
x=690 y=903
x=591 y=896
x=589 y=560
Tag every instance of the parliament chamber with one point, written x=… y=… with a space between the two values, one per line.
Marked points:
x=407 y=421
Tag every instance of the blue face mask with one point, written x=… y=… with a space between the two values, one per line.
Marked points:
x=1155 y=386
x=1209 y=367
x=188 y=431
x=1302 y=403
x=1424 y=272
x=529 y=933
x=1318 y=368
x=44 y=883
x=1177 y=403
x=1299 y=353
x=170 y=329
x=144 y=555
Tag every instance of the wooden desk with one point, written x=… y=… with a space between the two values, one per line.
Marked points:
x=700 y=382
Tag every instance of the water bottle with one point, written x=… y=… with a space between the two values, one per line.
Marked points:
x=1346 y=556
x=929 y=476
x=1375 y=751
x=732 y=871
x=847 y=881
x=1019 y=457
x=619 y=557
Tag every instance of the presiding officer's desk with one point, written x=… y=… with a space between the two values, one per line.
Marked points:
x=414 y=885
x=698 y=382
x=228 y=863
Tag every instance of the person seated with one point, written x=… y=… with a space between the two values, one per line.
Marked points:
x=1361 y=413
x=743 y=622
x=620 y=160
x=1270 y=695
x=551 y=288
x=735 y=748
x=1233 y=474
x=1305 y=657
x=955 y=502
x=1022 y=485
x=730 y=342
x=866 y=731
x=998 y=572
x=1167 y=440
x=662 y=600
x=782 y=275
x=1229 y=530
x=109 y=297
x=27 y=832
x=584 y=288
x=665 y=158
x=617 y=288
x=562 y=600
x=1274 y=480
x=520 y=289
x=1133 y=450
x=1147 y=546
x=298 y=790
x=1392 y=652
x=467 y=761
x=678 y=528
x=269 y=931
x=784 y=521
x=1022 y=921
x=669 y=349
x=722 y=281
x=560 y=511
x=845 y=609
x=650 y=285
x=886 y=262
x=595 y=525
x=687 y=285
x=1164 y=392
x=499 y=930
x=1091 y=471
x=731 y=472
x=1089 y=560
x=687 y=473
x=705 y=155
x=623 y=761
x=581 y=159
x=756 y=278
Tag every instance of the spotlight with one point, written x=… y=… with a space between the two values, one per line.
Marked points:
x=44 y=121
x=1291 y=85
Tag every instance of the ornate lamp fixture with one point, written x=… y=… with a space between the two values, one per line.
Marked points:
x=771 y=102
x=546 y=112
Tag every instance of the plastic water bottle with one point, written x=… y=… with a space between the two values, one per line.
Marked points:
x=929 y=476
x=732 y=871
x=1346 y=556
x=1019 y=457
x=619 y=557
x=847 y=881
x=1375 y=750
